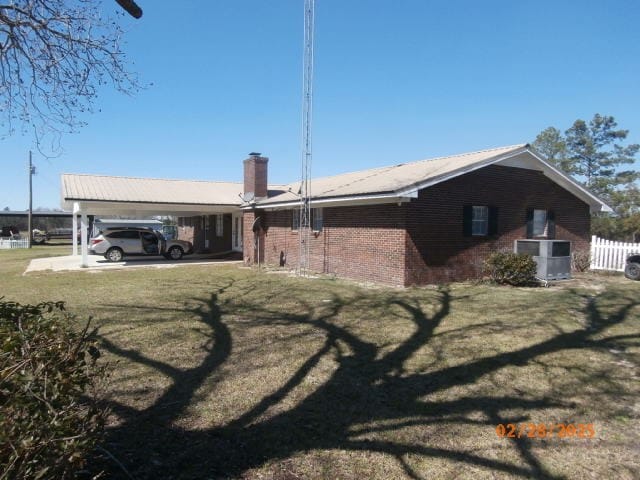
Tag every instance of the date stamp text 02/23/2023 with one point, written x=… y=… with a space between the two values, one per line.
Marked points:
x=545 y=430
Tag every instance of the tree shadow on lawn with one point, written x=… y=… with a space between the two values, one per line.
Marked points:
x=369 y=384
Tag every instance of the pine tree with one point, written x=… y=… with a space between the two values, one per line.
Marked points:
x=595 y=154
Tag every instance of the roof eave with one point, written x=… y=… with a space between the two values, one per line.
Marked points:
x=147 y=202
x=595 y=203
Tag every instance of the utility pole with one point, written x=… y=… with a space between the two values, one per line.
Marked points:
x=32 y=171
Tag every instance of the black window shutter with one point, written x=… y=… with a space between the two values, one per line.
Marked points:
x=467 y=212
x=551 y=224
x=529 y=222
x=493 y=220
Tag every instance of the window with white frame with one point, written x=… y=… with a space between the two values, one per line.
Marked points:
x=479 y=220
x=219 y=225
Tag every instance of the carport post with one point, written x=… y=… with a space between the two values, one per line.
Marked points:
x=83 y=238
x=74 y=229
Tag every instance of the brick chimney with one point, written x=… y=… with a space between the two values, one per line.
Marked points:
x=255 y=176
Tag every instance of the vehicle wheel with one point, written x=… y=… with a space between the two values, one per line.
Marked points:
x=175 y=253
x=632 y=271
x=114 y=255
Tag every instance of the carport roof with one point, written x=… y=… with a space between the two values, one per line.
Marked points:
x=103 y=188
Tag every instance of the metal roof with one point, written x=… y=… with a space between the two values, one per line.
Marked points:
x=394 y=178
x=376 y=185
x=76 y=187
x=402 y=181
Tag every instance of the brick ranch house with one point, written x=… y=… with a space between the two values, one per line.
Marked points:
x=418 y=223
x=424 y=222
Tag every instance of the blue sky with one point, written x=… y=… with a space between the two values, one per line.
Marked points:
x=395 y=81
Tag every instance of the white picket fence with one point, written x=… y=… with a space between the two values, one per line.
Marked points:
x=13 y=243
x=610 y=255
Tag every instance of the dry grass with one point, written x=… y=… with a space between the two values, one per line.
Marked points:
x=221 y=372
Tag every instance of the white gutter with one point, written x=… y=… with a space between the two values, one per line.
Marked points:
x=346 y=201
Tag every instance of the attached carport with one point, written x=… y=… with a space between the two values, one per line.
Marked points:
x=101 y=195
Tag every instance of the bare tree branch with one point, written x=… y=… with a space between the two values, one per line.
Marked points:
x=55 y=56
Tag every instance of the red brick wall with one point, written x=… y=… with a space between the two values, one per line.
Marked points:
x=422 y=242
x=363 y=243
x=191 y=230
x=438 y=252
x=250 y=244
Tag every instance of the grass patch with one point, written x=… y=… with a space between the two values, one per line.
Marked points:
x=221 y=372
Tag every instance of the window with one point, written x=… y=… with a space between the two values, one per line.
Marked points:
x=219 y=225
x=149 y=237
x=206 y=227
x=295 y=219
x=479 y=220
x=539 y=223
x=316 y=217
x=129 y=234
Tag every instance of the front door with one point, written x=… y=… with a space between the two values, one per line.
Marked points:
x=236 y=233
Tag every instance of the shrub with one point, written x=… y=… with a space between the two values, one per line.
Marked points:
x=49 y=420
x=581 y=260
x=511 y=268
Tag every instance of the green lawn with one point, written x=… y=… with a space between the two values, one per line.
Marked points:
x=225 y=372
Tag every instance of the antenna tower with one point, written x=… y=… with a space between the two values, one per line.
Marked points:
x=304 y=227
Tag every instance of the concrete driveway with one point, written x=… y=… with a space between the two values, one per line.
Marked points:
x=97 y=262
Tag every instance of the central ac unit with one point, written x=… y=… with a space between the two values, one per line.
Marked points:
x=553 y=257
